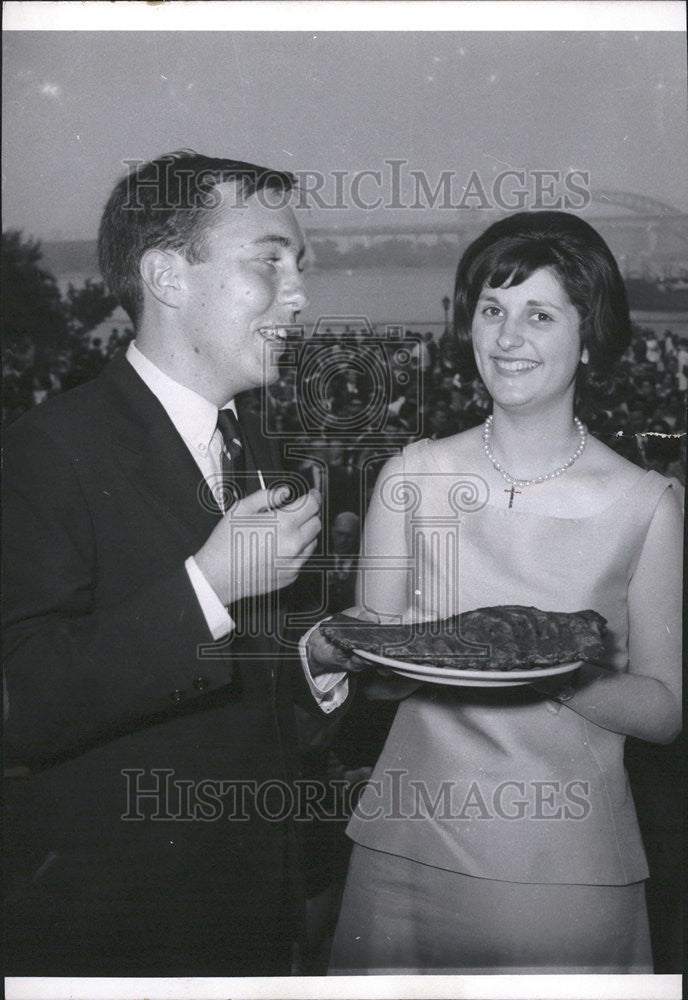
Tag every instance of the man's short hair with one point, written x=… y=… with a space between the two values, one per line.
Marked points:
x=171 y=203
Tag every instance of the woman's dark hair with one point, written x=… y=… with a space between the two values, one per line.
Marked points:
x=510 y=250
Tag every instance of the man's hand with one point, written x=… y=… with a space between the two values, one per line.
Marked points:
x=326 y=658
x=254 y=550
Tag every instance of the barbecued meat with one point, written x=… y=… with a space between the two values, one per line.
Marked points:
x=507 y=637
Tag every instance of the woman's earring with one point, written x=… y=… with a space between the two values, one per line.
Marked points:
x=585 y=356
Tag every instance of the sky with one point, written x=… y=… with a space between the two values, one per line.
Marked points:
x=77 y=105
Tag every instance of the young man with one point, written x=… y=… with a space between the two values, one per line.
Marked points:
x=149 y=716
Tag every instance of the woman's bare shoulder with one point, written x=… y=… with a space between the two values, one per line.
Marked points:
x=610 y=468
x=461 y=448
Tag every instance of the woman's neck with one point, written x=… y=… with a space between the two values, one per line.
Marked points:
x=527 y=445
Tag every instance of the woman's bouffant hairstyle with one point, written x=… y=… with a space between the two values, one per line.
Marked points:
x=510 y=250
x=171 y=203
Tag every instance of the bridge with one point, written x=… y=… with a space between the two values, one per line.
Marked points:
x=647 y=235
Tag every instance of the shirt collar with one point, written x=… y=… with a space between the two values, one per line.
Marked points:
x=194 y=417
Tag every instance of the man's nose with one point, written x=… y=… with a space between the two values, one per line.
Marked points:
x=294 y=292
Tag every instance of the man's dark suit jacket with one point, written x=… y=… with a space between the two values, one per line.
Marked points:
x=107 y=693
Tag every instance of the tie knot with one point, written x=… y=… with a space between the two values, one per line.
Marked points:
x=228 y=425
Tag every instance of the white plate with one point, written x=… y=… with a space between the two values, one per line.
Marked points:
x=471 y=678
x=441 y=678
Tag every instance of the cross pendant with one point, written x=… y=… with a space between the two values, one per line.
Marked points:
x=511 y=495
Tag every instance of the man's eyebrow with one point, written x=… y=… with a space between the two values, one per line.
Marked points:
x=283 y=241
x=277 y=239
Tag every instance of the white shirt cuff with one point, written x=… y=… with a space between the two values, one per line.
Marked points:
x=329 y=690
x=218 y=619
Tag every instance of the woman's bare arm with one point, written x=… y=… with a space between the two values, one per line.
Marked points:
x=646 y=701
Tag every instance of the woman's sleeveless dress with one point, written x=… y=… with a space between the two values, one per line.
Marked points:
x=498 y=831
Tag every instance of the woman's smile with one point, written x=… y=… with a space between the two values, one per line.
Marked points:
x=514 y=366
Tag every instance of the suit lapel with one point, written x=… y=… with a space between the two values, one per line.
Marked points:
x=158 y=461
x=152 y=452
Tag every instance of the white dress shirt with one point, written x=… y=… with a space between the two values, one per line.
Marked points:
x=329 y=690
x=195 y=419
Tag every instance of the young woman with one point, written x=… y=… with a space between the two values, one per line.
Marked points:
x=498 y=832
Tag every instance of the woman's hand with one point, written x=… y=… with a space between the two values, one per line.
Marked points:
x=561 y=687
x=622 y=701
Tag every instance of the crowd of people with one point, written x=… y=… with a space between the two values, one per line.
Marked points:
x=640 y=413
x=353 y=421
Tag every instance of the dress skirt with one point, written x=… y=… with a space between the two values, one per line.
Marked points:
x=401 y=916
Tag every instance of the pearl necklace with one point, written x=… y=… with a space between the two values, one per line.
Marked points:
x=512 y=480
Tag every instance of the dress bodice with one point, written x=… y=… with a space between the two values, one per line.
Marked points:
x=505 y=783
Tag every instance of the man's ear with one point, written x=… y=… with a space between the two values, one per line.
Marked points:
x=161 y=274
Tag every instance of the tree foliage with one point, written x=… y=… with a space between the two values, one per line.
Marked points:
x=88 y=306
x=35 y=315
x=33 y=311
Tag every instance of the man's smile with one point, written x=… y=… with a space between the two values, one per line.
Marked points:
x=273 y=332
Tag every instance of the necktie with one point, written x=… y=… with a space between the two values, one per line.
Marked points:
x=233 y=458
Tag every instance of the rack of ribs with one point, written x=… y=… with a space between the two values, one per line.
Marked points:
x=506 y=637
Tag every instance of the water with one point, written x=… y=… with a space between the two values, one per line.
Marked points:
x=677 y=322
x=411 y=297
x=406 y=296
